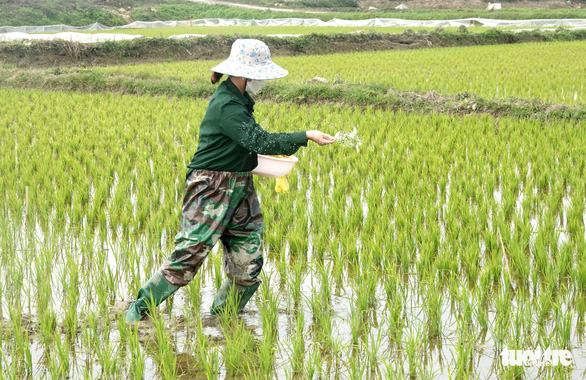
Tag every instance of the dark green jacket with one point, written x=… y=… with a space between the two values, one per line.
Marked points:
x=230 y=138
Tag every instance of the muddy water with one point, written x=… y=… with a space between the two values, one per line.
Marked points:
x=438 y=354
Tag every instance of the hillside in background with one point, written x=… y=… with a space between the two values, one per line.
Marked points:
x=120 y=12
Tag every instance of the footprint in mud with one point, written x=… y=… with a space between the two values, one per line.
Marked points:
x=176 y=323
x=117 y=309
x=209 y=321
x=27 y=323
x=187 y=367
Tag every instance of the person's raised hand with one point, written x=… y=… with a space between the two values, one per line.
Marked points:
x=320 y=138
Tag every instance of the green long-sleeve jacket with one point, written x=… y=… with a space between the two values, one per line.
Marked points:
x=230 y=138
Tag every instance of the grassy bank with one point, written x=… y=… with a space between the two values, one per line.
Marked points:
x=78 y=13
x=359 y=95
x=63 y=53
x=186 y=11
x=284 y=30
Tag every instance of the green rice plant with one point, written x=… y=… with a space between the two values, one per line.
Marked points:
x=324 y=273
x=580 y=304
x=70 y=282
x=396 y=319
x=358 y=369
x=295 y=279
x=268 y=309
x=209 y=357
x=194 y=293
x=463 y=362
x=433 y=301
x=216 y=262
x=563 y=327
x=413 y=345
x=364 y=295
x=375 y=341
x=356 y=324
x=313 y=368
x=240 y=349
x=392 y=370
x=124 y=331
x=298 y=344
x=164 y=350
x=501 y=322
x=47 y=317
x=137 y=356
x=544 y=305
x=322 y=318
x=470 y=262
x=21 y=358
x=106 y=354
x=579 y=273
x=266 y=357
x=62 y=367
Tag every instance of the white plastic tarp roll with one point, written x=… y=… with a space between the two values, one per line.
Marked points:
x=180 y=36
x=381 y=22
x=355 y=23
x=68 y=36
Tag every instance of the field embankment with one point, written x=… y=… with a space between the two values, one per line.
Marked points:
x=356 y=95
x=38 y=54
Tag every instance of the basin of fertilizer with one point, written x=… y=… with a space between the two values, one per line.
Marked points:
x=274 y=166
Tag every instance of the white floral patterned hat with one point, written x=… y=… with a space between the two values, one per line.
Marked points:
x=250 y=59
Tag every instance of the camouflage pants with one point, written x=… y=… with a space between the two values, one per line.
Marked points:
x=224 y=206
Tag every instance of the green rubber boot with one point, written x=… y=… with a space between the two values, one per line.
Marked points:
x=242 y=292
x=155 y=291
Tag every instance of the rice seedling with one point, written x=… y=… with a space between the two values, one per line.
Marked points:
x=413 y=345
x=137 y=356
x=164 y=350
x=434 y=302
x=240 y=352
x=106 y=354
x=61 y=367
x=208 y=356
x=269 y=310
x=298 y=344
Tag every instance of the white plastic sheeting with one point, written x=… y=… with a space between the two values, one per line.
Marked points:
x=53 y=28
x=492 y=6
x=203 y=35
x=68 y=36
x=545 y=23
x=10 y=33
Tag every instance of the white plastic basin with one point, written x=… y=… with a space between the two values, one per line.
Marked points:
x=269 y=166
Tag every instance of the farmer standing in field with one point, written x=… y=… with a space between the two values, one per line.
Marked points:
x=220 y=200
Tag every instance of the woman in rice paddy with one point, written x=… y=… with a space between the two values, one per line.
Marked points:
x=220 y=199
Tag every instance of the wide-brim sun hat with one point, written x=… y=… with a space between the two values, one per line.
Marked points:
x=250 y=59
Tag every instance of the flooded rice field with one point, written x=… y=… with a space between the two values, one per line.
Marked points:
x=430 y=251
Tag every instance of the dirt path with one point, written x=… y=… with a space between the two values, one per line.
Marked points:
x=257 y=7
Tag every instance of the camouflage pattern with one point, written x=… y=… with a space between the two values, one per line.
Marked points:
x=224 y=206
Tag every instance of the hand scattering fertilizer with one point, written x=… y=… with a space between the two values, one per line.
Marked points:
x=280 y=166
x=348 y=139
